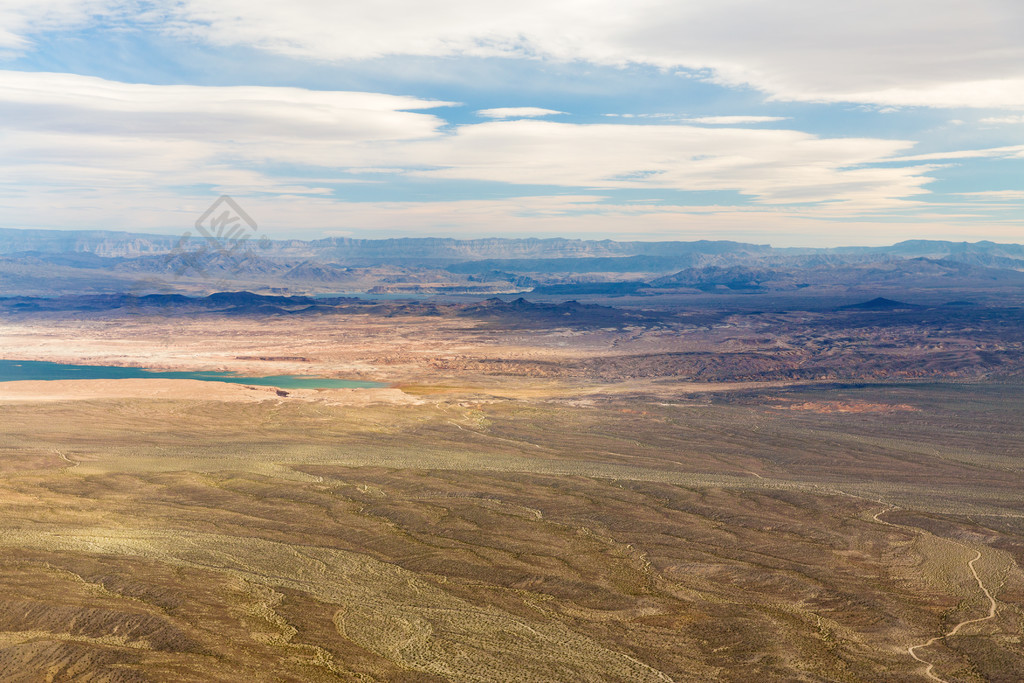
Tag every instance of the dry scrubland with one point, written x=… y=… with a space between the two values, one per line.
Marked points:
x=489 y=525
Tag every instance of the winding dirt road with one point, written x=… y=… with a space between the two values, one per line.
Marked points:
x=912 y=650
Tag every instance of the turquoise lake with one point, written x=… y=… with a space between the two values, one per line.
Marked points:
x=16 y=370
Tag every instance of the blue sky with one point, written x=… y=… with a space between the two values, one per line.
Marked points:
x=791 y=123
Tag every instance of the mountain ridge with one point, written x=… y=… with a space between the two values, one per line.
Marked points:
x=109 y=243
x=48 y=262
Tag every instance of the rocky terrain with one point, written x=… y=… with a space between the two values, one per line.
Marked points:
x=492 y=526
x=44 y=263
x=871 y=340
x=688 y=480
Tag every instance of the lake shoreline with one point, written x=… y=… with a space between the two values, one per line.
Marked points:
x=44 y=371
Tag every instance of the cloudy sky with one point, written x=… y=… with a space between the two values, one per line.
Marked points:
x=792 y=122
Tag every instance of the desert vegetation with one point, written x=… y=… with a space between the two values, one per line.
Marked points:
x=526 y=500
x=713 y=536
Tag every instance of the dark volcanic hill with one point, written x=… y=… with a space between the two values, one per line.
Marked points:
x=880 y=304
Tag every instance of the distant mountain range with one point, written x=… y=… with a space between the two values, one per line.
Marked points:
x=419 y=250
x=51 y=262
x=486 y=253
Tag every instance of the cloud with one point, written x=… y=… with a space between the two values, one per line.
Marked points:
x=936 y=53
x=657 y=115
x=21 y=18
x=73 y=103
x=1008 y=152
x=516 y=112
x=773 y=166
x=63 y=133
x=925 y=91
x=735 y=120
x=76 y=122
x=78 y=149
x=997 y=120
x=995 y=195
x=79 y=130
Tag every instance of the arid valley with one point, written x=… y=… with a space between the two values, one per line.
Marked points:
x=535 y=492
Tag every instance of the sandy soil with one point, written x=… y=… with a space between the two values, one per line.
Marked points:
x=554 y=509
x=421 y=356
x=188 y=389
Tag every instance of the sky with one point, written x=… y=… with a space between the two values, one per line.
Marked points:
x=791 y=122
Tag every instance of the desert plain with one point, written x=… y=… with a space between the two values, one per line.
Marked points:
x=788 y=496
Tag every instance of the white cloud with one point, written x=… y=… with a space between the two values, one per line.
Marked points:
x=939 y=53
x=1008 y=152
x=997 y=120
x=194 y=133
x=77 y=151
x=19 y=18
x=77 y=130
x=774 y=166
x=995 y=195
x=63 y=133
x=976 y=91
x=658 y=115
x=517 y=112
x=735 y=120
x=73 y=103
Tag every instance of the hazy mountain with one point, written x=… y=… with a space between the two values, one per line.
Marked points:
x=562 y=252
x=887 y=271
x=346 y=249
x=935 y=249
x=98 y=242
x=47 y=262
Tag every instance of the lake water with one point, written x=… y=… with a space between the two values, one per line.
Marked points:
x=15 y=370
